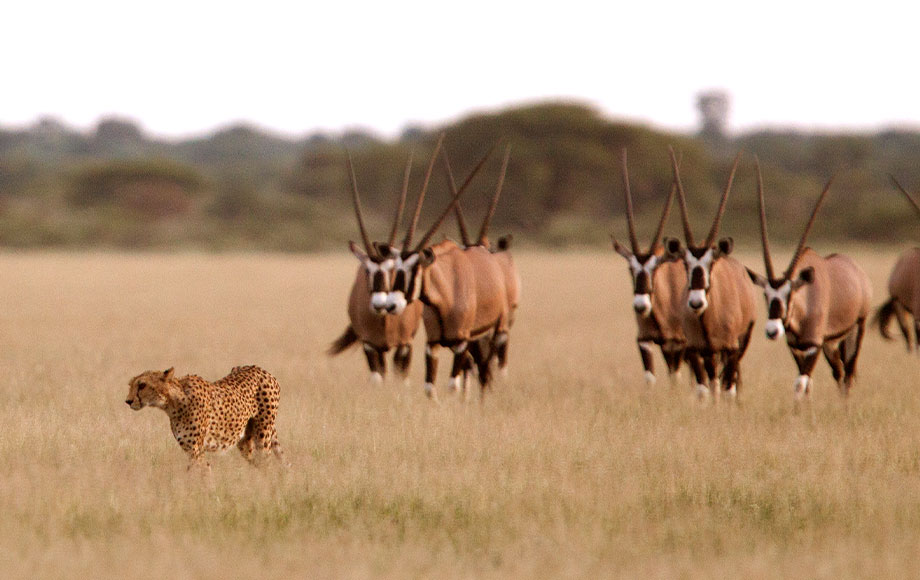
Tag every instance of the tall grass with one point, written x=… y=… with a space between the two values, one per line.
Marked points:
x=572 y=467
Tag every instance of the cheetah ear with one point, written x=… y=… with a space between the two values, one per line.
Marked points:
x=168 y=373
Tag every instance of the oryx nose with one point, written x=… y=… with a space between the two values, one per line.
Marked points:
x=772 y=333
x=391 y=308
x=696 y=303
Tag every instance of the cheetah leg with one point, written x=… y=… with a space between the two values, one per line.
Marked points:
x=246 y=445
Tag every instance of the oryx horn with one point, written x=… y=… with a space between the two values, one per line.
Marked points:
x=682 y=199
x=767 y=259
x=461 y=221
x=421 y=196
x=630 y=219
x=665 y=213
x=456 y=197
x=484 y=230
x=357 y=203
x=909 y=197
x=402 y=202
x=717 y=222
x=811 y=222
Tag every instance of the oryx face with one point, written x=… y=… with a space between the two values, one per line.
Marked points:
x=407 y=279
x=642 y=269
x=378 y=271
x=778 y=293
x=699 y=262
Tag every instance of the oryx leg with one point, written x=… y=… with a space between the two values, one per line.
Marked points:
x=482 y=360
x=673 y=354
x=375 y=362
x=500 y=348
x=648 y=362
x=711 y=364
x=731 y=372
x=460 y=367
x=903 y=317
x=806 y=357
x=695 y=360
x=832 y=355
x=849 y=352
x=431 y=368
x=402 y=359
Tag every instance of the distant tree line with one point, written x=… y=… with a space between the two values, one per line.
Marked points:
x=245 y=188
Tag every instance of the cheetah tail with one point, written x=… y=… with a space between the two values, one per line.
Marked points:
x=342 y=343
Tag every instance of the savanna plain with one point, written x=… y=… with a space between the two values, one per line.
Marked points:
x=571 y=467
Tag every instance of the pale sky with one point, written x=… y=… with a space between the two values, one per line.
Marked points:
x=188 y=67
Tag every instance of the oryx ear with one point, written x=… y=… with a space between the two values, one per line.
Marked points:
x=619 y=249
x=168 y=373
x=806 y=276
x=426 y=257
x=673 y=248
x=726 y=245
x=358 y=252
x=756 y=278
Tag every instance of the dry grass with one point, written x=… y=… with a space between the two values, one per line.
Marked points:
x=572 y=468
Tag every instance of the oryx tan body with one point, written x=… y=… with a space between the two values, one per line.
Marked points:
x=465 y=291
x=904 y=299
x=826 y=309
x=383 y=332
x=904 y=290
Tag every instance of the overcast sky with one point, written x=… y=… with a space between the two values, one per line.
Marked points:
x=185 y=68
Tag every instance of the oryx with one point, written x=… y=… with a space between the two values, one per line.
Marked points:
x=658 y=289
x=720 y=302
x=464 y=291
x=818 y=303
x=491 y=346
x=372 y=321
x=904 y=291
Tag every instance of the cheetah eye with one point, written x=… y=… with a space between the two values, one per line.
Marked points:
x=141 y=385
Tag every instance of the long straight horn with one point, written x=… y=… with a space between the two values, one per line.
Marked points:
x=402 y=202
x=484 y=230
x=767 y=260
x=716 y=223
x=665 y=213
x=909 y=197
x=356 y=200
x=630 y=219
x=811 y=222
x=421 y=196
x=461 y=221
x=682 y=199
x=453 y=202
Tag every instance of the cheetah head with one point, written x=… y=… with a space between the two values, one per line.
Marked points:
x=153 y=388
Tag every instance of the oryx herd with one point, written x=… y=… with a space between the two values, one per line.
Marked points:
x=692 y=299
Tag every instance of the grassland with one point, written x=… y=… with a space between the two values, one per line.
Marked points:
x=571 y=468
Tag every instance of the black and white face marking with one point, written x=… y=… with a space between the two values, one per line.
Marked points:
x=699 y=267
x=379 y=272
x=777 y=307
x=642 y=271
x=407 y=282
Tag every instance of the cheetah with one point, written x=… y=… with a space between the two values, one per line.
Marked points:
x=238 y=409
